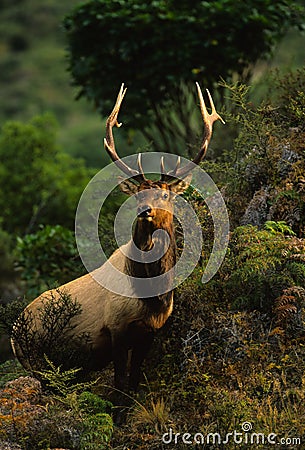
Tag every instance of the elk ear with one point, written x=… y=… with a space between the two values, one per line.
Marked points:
x=180 y=186
x=127 y=186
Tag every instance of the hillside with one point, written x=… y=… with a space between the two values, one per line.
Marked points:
x=227 y=370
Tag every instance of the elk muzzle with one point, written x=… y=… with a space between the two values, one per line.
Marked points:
x=144 y=212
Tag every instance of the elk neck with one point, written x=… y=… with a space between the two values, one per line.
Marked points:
x=143 y=239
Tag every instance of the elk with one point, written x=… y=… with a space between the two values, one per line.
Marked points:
x=115 y=324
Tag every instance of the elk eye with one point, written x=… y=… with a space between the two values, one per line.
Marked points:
x=165 y=196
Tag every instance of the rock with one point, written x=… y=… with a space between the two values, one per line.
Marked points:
x=288 y=158
x=257 y=211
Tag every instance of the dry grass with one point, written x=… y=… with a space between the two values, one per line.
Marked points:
x=154 y=415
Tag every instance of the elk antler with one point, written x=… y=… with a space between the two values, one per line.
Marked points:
x=177 y=172
x=208 y=120
x=112 y=120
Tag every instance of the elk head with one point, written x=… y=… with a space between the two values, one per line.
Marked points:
x=155 y=198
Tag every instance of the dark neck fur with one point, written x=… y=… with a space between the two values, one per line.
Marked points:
x=144 y=241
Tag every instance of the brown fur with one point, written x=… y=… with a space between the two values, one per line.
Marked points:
x=114 y=324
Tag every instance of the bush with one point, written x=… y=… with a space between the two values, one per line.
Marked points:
x=93 y=404
x=38 y=183
x=93 y=413
x=261 y=265
x=47 y=333
x=47 y=258
x=265 y=177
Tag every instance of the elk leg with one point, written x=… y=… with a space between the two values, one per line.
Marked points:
x=140 y=350
x=120 y=360
x=120 y=357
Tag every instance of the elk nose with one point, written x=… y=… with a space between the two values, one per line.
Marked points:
x=144 y=211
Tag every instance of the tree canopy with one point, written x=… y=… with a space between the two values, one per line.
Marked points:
x=160 y=48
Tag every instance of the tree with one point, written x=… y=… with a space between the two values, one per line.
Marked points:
x=160 y=48
x=38 y=183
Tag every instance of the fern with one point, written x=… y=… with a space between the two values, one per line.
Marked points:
x=288 y=308
x=261 y=265
x=297 y=272
x=97 y=432
x=62 y=382
x=278 y=227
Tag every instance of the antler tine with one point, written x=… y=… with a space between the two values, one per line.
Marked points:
x=214 y=114
x=177 y=164
x=169 y=176
x=208 y=120
x=109 y=140
x=162 y=168
x=139 y=162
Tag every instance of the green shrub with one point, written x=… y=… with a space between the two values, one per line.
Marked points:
x=267 y=162
x=93 y=404
x=38 y=182
x=67 y=416
x=260 y=265
x=95 y=423
x=47 y=258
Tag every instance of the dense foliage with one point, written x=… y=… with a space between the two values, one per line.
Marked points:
x=233 y=350
x=38 y=182
x=38 y=423
x=47 y=259
x=264 y=174
x=160 y=48
x=6 y=257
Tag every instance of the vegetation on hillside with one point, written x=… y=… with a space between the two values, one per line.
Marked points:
x=232 y=354
x=40 y=182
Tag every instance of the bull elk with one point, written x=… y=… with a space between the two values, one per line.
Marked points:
x=115 y=324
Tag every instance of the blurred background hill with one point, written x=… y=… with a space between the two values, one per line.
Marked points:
x=34 y=79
